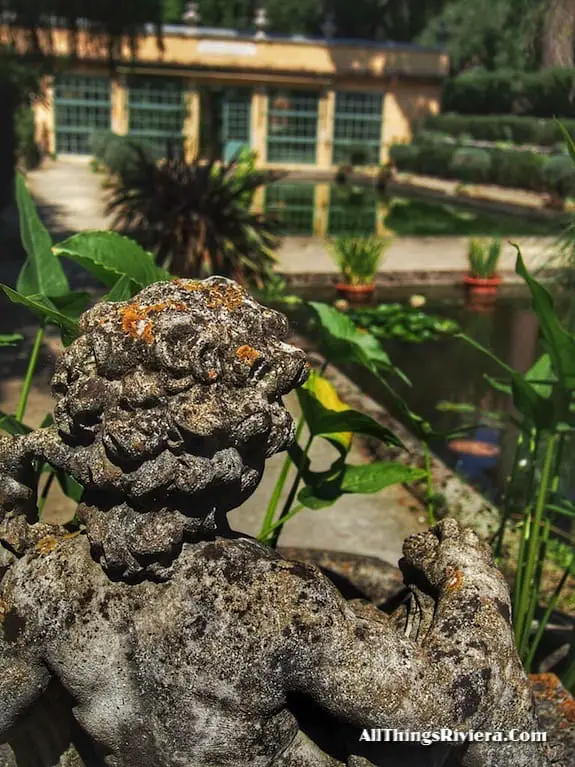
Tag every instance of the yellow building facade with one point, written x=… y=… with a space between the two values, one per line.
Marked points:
x=301 y=105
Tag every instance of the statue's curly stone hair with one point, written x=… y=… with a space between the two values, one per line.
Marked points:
x=167 y=407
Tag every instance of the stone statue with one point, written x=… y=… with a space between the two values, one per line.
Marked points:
x=179 y=643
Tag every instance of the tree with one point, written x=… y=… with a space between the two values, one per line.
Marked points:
x=494 y=34
x=558 y=33
x=107 y=22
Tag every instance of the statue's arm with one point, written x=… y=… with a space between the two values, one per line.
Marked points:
x=23 y=678
x=464 y=674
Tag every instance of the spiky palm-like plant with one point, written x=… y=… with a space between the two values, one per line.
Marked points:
x=483 y=257
x=194 y=217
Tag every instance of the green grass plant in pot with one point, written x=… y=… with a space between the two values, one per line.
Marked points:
x=483 y=280
x=358 y=259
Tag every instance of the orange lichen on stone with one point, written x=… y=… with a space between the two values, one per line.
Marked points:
x=46 y=544
x=548 y=687
x=228 y=296
x=212 y=375
x=136 y=322
x=453 y=578
x=247 y=354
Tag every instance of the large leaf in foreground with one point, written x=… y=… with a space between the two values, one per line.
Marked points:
x=42 y=273
x=365 y=479
x=45 y=310
x=318 y=397
x=110 y=256
x=122 y=290
x=341 y=425
x=346 y=343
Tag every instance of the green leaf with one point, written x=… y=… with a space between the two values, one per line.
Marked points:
x=532 y=405
x=568 y=139
x=347 y=343
x=70 y=487
x=316 y=397
x=11 y=339
x=72 y=305
x=525 y=397
x=541 y=376
x=42 y=273
x=455 y=407
x=122 y=290
x=498 y=385
x=558 y=342
x=12 y=425
x=310 y=500
x=315 y=478
x=44 y=308
x=372 y=477
x=324 y=422
x=365 y=479
x=109 y=256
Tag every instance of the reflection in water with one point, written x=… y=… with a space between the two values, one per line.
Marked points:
x=450 y=370
x=306 y=209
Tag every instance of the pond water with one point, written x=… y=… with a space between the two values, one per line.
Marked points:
x=450 y=370
x=304 y=208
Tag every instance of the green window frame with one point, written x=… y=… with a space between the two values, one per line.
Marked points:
x=82 y=105
x=351 y=213
x=157 y=112
x=292 y=206
x=357 y=127
x=236 y=121
x=292 y=126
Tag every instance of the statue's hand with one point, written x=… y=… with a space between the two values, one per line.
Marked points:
x=439 y=557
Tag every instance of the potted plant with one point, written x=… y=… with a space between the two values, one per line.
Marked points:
x=358 y=259
x=482 y=281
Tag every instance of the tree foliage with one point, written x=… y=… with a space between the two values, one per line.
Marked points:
x=31 y=22
x=494 y=34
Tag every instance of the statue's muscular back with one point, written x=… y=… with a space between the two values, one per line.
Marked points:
x=187 y=672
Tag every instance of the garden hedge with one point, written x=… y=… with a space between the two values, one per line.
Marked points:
x=537 y=131
x=505 y=167
x=547 y=93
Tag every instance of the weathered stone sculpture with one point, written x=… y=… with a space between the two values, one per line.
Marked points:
x=179 y=643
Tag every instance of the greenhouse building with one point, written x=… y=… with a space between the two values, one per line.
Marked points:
x=301 y=104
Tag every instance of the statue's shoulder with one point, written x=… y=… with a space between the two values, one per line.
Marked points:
x=54 y=566
x=243 y=564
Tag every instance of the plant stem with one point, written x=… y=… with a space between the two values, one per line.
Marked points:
x=519 y=571
x=32 y=362
x=506 y=511
x=279 y=486
x=534 y=591
x=291 y=496
x=534 y=538
x=280 y=522
x=545 y=619
x=525 y=532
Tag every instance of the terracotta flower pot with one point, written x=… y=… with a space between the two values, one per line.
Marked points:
x=481 y=292
x=482 y=286
x=355 y=294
